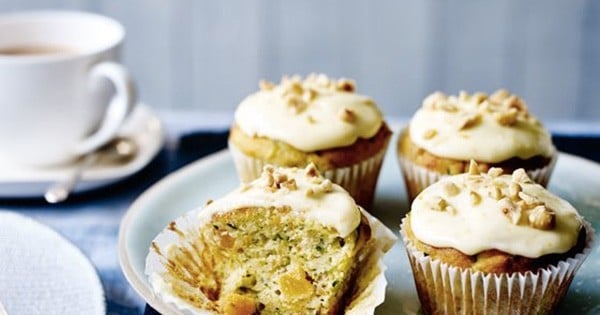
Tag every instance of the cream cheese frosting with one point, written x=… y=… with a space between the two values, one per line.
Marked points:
x=486 y=128
x=312 y=114
x=305 y=191
x=475 y=212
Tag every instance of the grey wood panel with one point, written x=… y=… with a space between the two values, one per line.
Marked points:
x=208 y=54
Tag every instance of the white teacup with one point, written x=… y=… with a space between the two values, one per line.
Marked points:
x=62 y=92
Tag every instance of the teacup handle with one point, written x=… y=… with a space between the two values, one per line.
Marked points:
x=120 y=106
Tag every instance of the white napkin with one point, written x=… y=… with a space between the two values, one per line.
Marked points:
x=43 y=273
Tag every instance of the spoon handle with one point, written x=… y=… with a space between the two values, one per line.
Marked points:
x=60 y=190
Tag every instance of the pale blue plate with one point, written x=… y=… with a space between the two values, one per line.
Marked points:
x=575 y=179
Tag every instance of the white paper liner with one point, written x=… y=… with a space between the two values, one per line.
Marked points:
x=359 y=180
x=417 y=178
x=369 y=290
x=444 y=289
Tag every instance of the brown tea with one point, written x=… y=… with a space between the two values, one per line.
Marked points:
x=30 y=50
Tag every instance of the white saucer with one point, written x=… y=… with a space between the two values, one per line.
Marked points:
x=44 y=273
x=143 y=126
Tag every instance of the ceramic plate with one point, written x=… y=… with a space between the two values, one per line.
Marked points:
x=143 y=126
x=43 y=273
x=575 y=179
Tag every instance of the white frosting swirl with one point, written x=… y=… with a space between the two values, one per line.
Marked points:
x=488 y=129
x=310 y=115
x=310 y=195
x=473 y=228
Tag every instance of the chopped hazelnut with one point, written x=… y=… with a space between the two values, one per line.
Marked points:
x=451 y=108
x=529 y=199
x=347 y=115
x=450 y=189
x=542 y=218
x=495 y=172
x=499 y=96
x=311 y=170
x=507 y=118
x=495 y=192
x=475 y=198
x=265 y=85
x=479 y=97
x=430 y=102
x=309 y=95
x=514 y=189
x=520 y=176
x=429 y=134
x=346 y=85
x=296 y=104
x=463 y=95
x=290 y=184
x=515 y=102
x=469 y=121
x=509 y=209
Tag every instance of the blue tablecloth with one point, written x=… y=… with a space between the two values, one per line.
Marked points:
x=91 y=220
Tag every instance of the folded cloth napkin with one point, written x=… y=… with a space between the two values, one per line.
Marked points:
x=43 y=273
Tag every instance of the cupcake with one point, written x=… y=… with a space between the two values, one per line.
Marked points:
x=316 y=120
x=495 y=131
x=290 y=242
x=493 y=244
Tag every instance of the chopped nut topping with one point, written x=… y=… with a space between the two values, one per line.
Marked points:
x=311 y=170
x=325 y=187
x=529 y=199
x=439 y=203
x=433 y=99
x=265 y=85
x=495 y=192
x=429 y=134
x=311 y=119
x=346 y=85
x=479 y=97
x=507 y=118
x=474 y=197
x=509 y=209
x=309 y=95
x=451 y=189
x=514 y=189
x=463 y=95
x=469 y=121
x=473 y=168
x=515 y=102
x=290 y=184
x=495 y=172
x=499 y=96
x=520 y=176
x=542 y=218
x=451 y=108
x=295 y=88
x=296 y=104
x=347 y=115
x=209 y=201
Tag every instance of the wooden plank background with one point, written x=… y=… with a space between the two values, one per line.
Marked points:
x=208 y=55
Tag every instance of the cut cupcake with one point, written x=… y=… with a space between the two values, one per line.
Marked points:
x=316 y=120
x=493 y=243
x=290 y=242
x=495 y=131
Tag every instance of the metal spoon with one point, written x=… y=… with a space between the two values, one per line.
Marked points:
x=118 y=150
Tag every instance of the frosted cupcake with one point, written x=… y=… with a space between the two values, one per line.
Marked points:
x=495 y=131
x=492 y=243
x=290 y=242
x=316 y=120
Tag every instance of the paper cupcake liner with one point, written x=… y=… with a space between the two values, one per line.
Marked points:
x=367 y=293
x=444 y=289
x=417 y=178
x=360 y=179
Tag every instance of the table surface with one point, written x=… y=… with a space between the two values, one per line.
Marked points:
x=91 y=219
